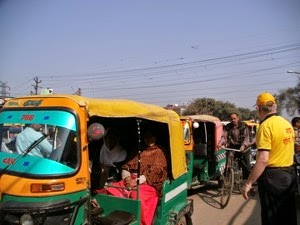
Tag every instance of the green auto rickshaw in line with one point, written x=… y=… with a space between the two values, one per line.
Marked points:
x=205 y=161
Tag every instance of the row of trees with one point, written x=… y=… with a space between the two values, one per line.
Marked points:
x=218 y=109
x=287 y=99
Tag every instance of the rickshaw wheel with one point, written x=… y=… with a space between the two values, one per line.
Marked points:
x=188 y=220
x=227 y=187
x=182 y=221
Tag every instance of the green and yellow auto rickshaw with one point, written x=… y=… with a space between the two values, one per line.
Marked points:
x=58 y=188
x=205 y=161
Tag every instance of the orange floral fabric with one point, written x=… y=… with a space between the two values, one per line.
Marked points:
x=153 y=166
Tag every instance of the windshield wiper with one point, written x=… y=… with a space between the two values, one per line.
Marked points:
x=24 y=153
x=34 y=144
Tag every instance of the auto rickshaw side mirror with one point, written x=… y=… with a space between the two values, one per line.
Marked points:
x=95 y=131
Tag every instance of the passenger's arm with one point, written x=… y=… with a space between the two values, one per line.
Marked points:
x=129 y=181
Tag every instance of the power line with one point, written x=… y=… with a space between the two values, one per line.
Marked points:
x=186 y=77
x=215 y=61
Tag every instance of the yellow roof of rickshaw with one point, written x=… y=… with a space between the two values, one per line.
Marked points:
x=203 y=117
x=121 y=108
x=250 y=123
x=111 y=107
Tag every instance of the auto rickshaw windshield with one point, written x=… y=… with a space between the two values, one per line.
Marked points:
x=42 y=143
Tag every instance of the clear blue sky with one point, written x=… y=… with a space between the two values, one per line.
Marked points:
x=161 y=52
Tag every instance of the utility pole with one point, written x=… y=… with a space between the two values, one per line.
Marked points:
x=4 y=87
x=36 y=85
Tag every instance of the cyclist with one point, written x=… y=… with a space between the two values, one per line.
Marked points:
x=236 y=135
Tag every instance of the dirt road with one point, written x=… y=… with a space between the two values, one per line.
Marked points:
x=207 y=209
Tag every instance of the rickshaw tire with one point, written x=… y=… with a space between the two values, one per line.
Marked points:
x=185 y=220
x=182 y=221
x=188 y=220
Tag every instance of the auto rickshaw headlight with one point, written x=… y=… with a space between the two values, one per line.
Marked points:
x=41 y=188
x=26 y=219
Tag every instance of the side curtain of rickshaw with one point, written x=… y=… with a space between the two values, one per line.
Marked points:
x=218 y=133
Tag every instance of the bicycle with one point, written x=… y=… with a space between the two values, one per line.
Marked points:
x=232 y=177
x=227 y=182
x=238 y=165
x=238 y=172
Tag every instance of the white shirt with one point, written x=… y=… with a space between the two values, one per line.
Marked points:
x=27 y=137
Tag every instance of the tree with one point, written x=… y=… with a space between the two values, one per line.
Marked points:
x=220 y=109
x=289 y=99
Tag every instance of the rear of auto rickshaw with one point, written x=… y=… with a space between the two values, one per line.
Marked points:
x=205 y=161
x=58 y=188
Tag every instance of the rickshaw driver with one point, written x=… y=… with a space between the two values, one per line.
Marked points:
x=28 y=136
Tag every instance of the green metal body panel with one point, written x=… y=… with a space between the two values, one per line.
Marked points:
x=203 y=169
x=173 y=201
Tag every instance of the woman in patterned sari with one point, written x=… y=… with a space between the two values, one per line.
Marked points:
x=153 y=172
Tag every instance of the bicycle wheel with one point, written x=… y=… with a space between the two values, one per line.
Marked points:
x=238 y=177
x=227 y=187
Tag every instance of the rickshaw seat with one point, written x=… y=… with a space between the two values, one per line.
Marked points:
x=200 y=150
x=200 y=156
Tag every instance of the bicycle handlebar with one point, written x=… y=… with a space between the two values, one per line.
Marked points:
x=236 y=150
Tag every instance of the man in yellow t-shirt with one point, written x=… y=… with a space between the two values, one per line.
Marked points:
x=274 y=171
